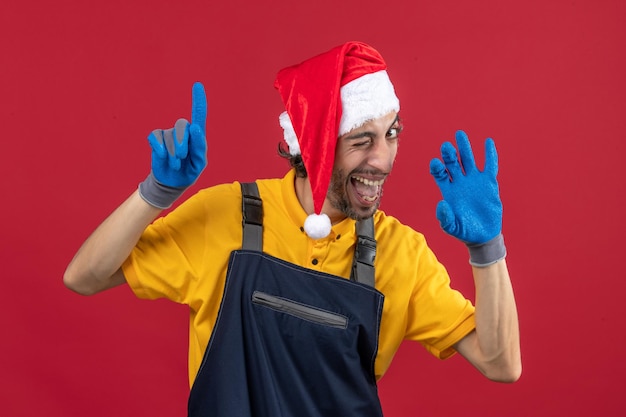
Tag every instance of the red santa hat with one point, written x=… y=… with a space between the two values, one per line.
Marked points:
x=325 y=97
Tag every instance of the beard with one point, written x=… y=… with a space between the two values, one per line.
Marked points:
x=339 y=199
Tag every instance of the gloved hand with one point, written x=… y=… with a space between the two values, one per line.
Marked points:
x=178 y=155
x=471 y=209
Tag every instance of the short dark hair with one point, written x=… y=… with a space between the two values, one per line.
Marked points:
x=295 y=161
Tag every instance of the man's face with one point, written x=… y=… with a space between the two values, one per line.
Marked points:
x=363 y=160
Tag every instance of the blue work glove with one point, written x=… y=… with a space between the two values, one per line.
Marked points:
x=471 y=209
x=178 y=155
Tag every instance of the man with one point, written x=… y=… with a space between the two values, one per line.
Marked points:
x=277 y=328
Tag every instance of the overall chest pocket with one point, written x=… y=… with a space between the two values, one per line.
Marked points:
x=302 y=311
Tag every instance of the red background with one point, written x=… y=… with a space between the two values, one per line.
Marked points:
x=83 y=83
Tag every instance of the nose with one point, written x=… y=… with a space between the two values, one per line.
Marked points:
x=382 y=154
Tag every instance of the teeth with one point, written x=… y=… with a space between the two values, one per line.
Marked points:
x=369 y=182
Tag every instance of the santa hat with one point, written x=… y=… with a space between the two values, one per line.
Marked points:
x=325 y=97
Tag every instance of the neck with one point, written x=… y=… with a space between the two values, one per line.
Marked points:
x=305 y=197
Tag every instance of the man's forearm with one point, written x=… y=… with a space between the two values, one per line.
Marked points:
x=494 y=347
x=96 y=265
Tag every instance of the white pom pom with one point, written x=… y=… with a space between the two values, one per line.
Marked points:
x=317 y=226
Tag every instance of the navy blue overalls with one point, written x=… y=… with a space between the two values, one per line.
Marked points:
x=290 y=341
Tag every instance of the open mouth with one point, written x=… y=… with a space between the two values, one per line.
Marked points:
x=367 y=190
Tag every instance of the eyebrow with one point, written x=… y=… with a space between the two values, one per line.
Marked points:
x=367 y=133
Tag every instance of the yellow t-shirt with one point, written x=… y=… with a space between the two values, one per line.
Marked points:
x=184 y=255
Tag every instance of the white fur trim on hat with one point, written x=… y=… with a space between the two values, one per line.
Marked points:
x=317 y=226
x=289 y=134
x=366 y=98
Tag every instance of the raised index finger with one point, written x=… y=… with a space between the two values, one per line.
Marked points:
x=198 y=106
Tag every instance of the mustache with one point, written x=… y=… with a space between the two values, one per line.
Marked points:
x=369 y=171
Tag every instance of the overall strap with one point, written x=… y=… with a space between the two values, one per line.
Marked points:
x=252 y=223
x=252 y=212
x=364 y=253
